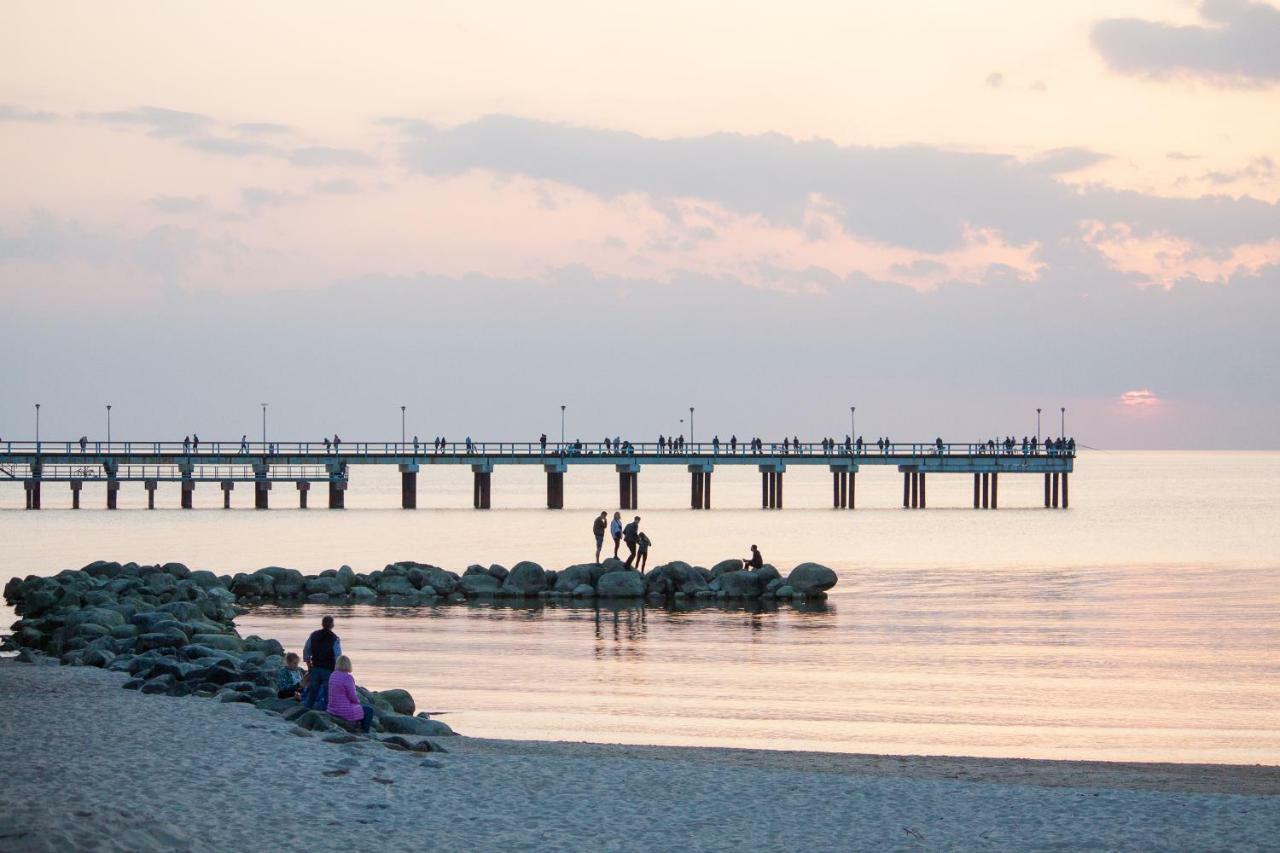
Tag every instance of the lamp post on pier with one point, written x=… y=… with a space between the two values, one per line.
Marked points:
x=1063 y=427
x=853 y=424
x=562 y=426
x=402 y=428
x=1037 y=426
x=108 y=427
x=37 y=427
x=264 y=427
x=691 y=442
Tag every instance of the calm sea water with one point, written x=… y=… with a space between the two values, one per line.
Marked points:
x=1142 y=624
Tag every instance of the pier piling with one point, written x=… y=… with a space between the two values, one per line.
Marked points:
x=1055 y=489
x=304 y=486
x=409 y=486
x=189 y=486
x=227 y=486
x=75 y=493
x=922 y=500
x=1064 y=489
x=337 y=492
x=150 y=486
x=261 y=490
x=555 y=490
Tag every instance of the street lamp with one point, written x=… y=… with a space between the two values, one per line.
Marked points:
x=691 y=425
x=37 y=427
x=1037 y=426
x=562 y=425
x=108 y=427
x=1063 y=428
x=853 y=424
x=264 y=427
x=402 y=427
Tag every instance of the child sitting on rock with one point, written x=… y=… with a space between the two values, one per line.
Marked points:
x=289 y=680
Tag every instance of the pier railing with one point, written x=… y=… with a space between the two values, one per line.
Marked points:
x=521 y=449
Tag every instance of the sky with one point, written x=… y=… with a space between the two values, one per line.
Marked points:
x=947 y=215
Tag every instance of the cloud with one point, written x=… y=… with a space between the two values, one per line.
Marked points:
x=12 y=113
x=1061 y=161
x=228 y=147
x=995 y=80
x=1141 y=398
x=255 y=198
x=1238 y=46
x=178 y=203
x=1180 y=155
x=320 y=155
x=262 y=128
x=156 y=121
x=1261 y=169
x=335 y=186
x=916 y=197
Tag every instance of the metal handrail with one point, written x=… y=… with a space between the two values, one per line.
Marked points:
x=181 y=451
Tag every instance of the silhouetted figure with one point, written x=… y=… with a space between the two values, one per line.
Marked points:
x=755 y=561
x=615 y=530
x=337 y=443
x=415 y=445
x=733 y=444
x=597 y=530
x=186 y=444
x=195 y=444
x=631 y=535
x=84 y=442
x=244 y=444
x=715 y=444
x=542 y=442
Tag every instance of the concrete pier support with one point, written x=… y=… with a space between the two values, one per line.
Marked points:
x=977 y=486
x=32 y=487
x=227 y=486
x=75 y=493
x=113 y=489
x=628 y=489
x=922 y=500
x=906 y=489
x=778 y=478
x=771 y=486
x=1055 y=489
x=700 y=486
x=839 y=489
x=150 y=486
x=1064 y=489
x=764 y=489
x=915 y=488
x=853 y=487
x=1046 y=490
x=304 y=486
x=337 y=492
x=555 y=489
x=188 y=488
x=261 y=491
x=995 y=489
x=409 y=486
x=481 y=482
x=986 y=494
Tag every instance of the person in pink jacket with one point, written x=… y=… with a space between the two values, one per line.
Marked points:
x=344 y=703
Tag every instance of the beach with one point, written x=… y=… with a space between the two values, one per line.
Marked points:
x=91 y=766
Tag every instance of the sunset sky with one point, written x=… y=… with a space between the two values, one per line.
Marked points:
x=946 y=214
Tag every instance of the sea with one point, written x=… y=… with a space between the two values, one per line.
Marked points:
x=1141 y=624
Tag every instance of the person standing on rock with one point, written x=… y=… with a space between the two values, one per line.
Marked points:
x=321 y=653
x=598 y=528
x=615 y=530
x=631 y=533
x=642 y=552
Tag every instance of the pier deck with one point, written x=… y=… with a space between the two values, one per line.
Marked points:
x=303 y=463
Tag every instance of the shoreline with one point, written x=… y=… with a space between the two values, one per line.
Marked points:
x=94 y=766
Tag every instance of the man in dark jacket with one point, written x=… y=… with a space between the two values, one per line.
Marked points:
x=321 y=654
x=631 y=535
x=598 y=529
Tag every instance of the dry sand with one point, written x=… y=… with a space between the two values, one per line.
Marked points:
x=90 y=766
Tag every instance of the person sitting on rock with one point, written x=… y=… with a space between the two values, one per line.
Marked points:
x=755 y=561
x=289 y=679
x=344 y=702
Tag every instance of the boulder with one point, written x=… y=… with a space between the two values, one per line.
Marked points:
x=724 y=566
x=161 y=583
x=400 y=725
x=363 y=593
x=345 y=576
x=693 y=583
x=438 y=579
x=396 y=585
x=626 y=584
x=160 y=640
x=784 y=591
x=811 y=579
x=222 y=642
x=499 y=572
x=525 y=578
x=479 y=584
x=768 y=573
x=584 y=590
x=739 y=584
x=316 y=721
x=325 y=586
x=204 y=579
x=159 y=684
x=569 y=579
x=96 y=616
x=398 y=700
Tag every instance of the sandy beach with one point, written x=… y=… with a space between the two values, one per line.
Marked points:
x=91 y=766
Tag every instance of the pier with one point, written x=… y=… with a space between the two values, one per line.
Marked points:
x=297 y=465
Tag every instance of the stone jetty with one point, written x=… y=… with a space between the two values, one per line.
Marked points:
x=173 y=629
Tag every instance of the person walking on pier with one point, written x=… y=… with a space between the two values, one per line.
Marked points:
x=608 y=445
x=186 y=444
x=733 y=444
x=542 y=443
x=321 y=652
x=597 y=530
x=195 y=444
x=84 y=442
x=715 y=444
x=615 y=530
x=631 y=535
x=337 y=443
x=244 y=445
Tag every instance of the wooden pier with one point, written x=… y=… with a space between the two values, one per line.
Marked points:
x=262 y=465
